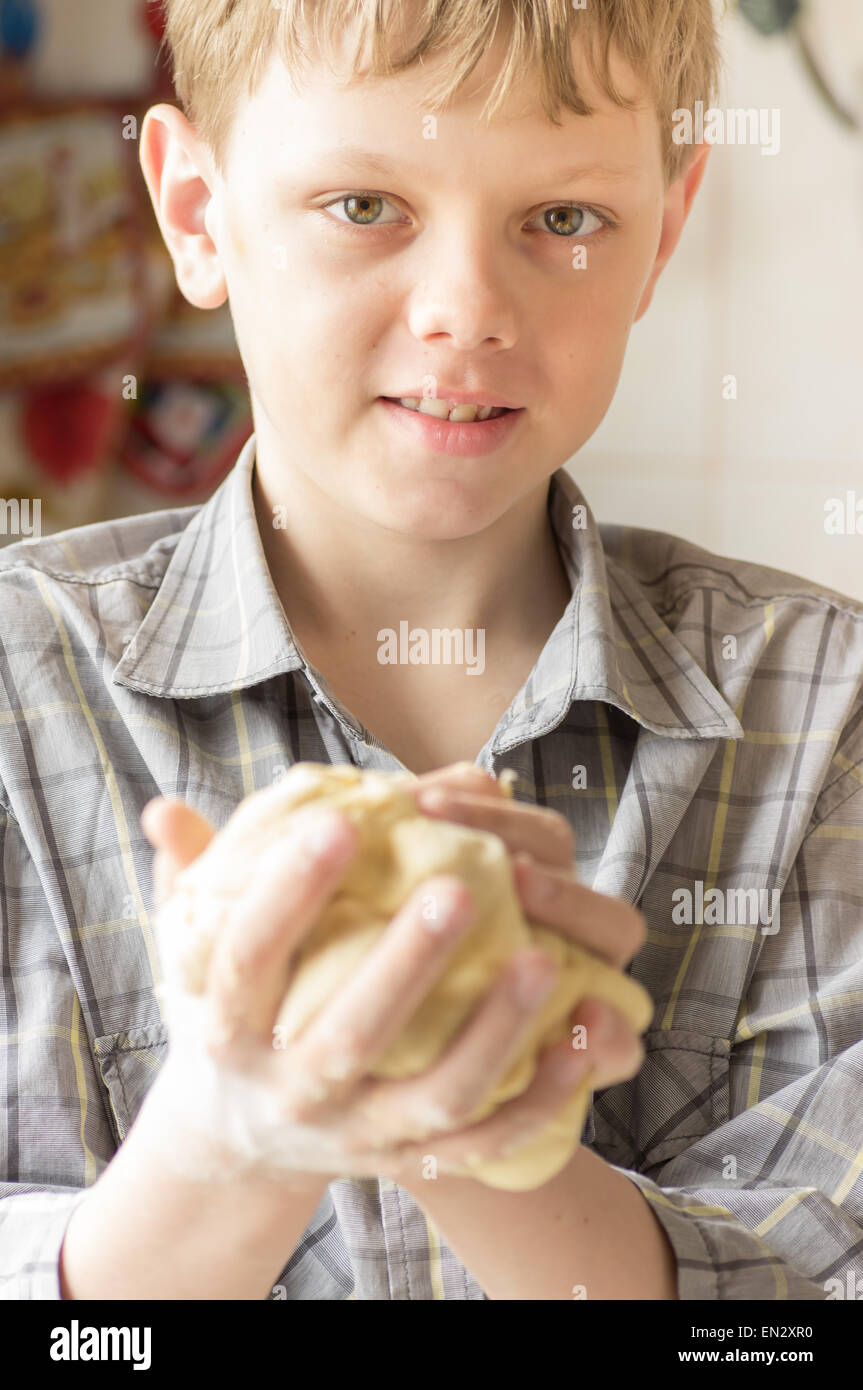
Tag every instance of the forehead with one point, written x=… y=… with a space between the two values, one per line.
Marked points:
x=294 y=120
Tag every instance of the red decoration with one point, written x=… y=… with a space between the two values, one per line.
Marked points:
x=68 y=428
x=154 y=18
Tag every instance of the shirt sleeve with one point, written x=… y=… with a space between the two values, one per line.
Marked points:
x=55 y=1137
x=770 y=1204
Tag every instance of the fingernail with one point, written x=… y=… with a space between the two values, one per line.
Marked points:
x=148 y=811
x=605 y=1023
x=322 y=832
x=534 y=982
x=523 y=865
x=444 y=911
x=432 y=798
x=570 y=1066
x=606 y=1026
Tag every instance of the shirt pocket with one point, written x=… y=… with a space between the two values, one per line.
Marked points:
x=680 y=1094
x=129 y=1063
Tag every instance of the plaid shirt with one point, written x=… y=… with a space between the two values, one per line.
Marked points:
x=698 y=721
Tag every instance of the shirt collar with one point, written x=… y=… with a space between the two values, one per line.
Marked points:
x=217 y=625
x=611 y=644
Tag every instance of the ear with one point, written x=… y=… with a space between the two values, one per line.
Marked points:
x=678 y=201
x=180 y=178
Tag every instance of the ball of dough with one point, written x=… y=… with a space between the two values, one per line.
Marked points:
x=399 y=847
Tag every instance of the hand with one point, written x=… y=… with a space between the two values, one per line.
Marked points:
x=234 y=1105
x=541 y=843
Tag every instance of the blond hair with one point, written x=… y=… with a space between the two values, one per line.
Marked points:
x=221 y=47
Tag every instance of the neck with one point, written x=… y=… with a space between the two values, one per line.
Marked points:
x=507 y=578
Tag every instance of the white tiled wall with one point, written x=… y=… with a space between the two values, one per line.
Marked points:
x=767 y=285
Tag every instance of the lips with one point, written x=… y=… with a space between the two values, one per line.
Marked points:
x=444 y=391
x=455 y=410
x=458 y=438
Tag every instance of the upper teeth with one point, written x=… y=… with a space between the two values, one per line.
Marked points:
x=446 y=410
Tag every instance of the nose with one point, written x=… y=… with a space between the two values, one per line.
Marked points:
x=465 y=294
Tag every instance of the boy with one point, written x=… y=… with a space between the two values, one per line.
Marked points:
x=688 y=730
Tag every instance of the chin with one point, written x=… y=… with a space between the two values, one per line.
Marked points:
x=435 y=522
x=453 y=532
x=426 y=528
x=432 y=508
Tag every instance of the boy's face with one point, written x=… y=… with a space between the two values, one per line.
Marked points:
x=453 y=275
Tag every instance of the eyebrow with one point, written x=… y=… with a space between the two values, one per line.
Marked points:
x=615 y=173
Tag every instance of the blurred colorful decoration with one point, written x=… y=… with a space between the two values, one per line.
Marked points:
x=115 y=393
x=104 y=366
x=19 y=26
x=19 y=32
x=828 y=35
x=67 y=427
x=154 y=18
x=71 y=271
x=185 y=435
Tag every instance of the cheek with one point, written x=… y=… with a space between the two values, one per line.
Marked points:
x=590 y=329
x=237 y=235
x=601 y=314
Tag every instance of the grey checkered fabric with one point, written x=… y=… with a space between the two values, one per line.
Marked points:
x=697 y=720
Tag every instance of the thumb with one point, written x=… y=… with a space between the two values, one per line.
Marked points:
x=179 y=834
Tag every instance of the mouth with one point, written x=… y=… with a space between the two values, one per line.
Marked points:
x=456 y=412
x=456 y=428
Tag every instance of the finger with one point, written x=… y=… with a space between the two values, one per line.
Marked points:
x=179 y=834
x=532 y=830
x=165 y=870
x=447 y=1094
x=347 y=1036
x=172 y=825
x=607 y=926
x=615 y=1047
x=560 y=1072
x=461 y=776
x=290 y=884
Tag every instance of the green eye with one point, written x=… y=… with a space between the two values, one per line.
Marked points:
x=561 y=220
x=568 y=220
x=361 y=209
x=365 y=205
